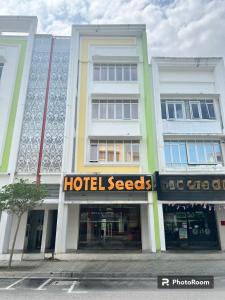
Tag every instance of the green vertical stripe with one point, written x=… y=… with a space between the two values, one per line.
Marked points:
x=151 y=132
x=16 y=91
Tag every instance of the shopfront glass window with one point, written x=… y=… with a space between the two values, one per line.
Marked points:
x=109 y=227
x=190 y=227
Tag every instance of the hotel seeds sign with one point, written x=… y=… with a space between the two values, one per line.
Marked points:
x=107 y=183
x=191 y=187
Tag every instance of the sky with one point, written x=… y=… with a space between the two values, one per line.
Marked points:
x=174 y=27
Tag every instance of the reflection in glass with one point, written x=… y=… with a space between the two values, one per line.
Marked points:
x=179 y=110
x=111 y=72
x=134 y=72
x=110 y=227
x=110 y=151
x=171 y=111
x=102 y=151
x=195 y=111
x=119 y=151
x=103 y=72
x=127 y=151
x=126 y=74
x=118 y=72
x=135 y=150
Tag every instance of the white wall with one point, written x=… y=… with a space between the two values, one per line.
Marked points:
x=220 y=215
x=73 y=227
x=115 y=128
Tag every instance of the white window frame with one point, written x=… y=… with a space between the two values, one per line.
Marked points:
x=198 y=163
x=114 y=102
x=115 y=79
x=199 y=109
x=205 y=155
x=189 y=102
x=123 y=142
x=175 y=111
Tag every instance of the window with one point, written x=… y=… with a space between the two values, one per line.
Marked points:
x=1 y=68
x=188 y=109
x=181 y=153
x=96 y=71
x=175 y=153
x=204 y=153
x=114 y=109
x=93 y=151
x=195 y=110
x=110 y=151
x=112 y=72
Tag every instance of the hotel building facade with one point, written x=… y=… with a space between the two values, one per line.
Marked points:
x=112 y=138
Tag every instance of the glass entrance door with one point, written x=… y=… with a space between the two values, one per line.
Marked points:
x=110 y=227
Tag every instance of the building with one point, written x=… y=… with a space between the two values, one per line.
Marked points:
x=82 y=114
x=189 y=98
x=132 y=155
x=110 y=63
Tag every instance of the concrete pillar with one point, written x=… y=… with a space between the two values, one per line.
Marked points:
x=161 y=227
x=44 y=231
x=61 y=228
x=151 y=226
x=147 y=225
x=5 y=230
x=73 y=227
x=220 y=216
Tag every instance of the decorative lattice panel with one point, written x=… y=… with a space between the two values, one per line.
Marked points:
x=34 y=108
x=53 y=142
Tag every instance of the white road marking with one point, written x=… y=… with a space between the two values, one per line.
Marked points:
x=41 y=287
x=9 y=287
x=72 y=287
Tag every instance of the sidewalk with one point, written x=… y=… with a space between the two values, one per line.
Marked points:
x=152 y=266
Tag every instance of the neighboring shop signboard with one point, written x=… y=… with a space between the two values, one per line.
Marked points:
x=191 y=187
x=107 y=183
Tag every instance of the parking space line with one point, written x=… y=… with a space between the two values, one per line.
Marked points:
x=9 y=287
x=41 y=287
x=72 y=287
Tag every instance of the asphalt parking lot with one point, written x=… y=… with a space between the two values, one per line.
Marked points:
x=73 y=285
x=48 y=288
